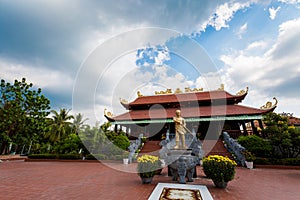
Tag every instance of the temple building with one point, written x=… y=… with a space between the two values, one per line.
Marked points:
x=207 y=113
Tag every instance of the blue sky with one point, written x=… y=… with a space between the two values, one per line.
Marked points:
x=245 y=43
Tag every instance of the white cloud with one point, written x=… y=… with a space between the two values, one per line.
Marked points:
x=256 y=45
x=41 y=77
x=162 y=57
x=290 y=1
x=223 y=14
x=273 y=73
x=273 y=12
x=242 y=30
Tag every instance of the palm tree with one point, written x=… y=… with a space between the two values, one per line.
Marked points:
x=78 y=122
x=60 y=125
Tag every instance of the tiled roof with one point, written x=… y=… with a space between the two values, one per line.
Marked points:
x=294 y=121
x=187 y=97
x=204 y=111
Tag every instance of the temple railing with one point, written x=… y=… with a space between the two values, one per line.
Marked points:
x=234 y=148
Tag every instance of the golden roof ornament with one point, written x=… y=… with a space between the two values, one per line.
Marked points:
x=197 y=89
x=242 y=92
x=222 y=87
x=269 y=104
x=187 y=89
x=178 y=91
x=168 y=91
x=107 y=113
x=139 y=94
x=124 y=101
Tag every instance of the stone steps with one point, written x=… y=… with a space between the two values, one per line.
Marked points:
x=151 y=147
x=213 y=147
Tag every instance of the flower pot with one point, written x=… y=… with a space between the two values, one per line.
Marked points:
x=158 y=172
x=147 y=180
x=220 y=184
x=249 y=164
x=125 y=161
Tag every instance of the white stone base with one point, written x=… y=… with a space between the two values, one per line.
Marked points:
x=205 y=194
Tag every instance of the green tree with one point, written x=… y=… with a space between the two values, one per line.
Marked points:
x=285 y=139
x=23 y=112
x=70 y=144
x=78 y=122
x=256 y=145
x=60 y=125
x=93 y=138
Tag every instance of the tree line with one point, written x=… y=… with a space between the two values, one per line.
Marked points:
x=28 y=125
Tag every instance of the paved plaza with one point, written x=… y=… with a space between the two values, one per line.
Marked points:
x=93 y=180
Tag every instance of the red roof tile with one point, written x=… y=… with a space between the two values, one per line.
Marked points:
x=294 y=121
x=185 y=97
x=204 y=111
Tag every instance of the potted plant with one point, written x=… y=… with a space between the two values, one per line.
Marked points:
x=147 y=166
x=220 y=169
x=249 y=158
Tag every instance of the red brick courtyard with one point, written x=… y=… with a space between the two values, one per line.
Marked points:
x=93 y=180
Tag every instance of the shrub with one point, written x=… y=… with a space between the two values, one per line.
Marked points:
x=122 y=142
x=262 y=161
x=143 y=139
x=148 y=165
x=292 y=161
x=90 y=157
x=43 y=156
x=100 y=156
x=69 y=156
x=274 y=161
x=118 y=157
x=219 y=168
x=248 y=156
x=256 y=145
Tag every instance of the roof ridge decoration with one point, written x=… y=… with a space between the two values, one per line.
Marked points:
x=221 y=88
x=269 y=104
x=168 y=91
x=139 y=94
x=178 y=91
x=242 y=92
x=187 y=90
x=124 y=101
x=107 y=113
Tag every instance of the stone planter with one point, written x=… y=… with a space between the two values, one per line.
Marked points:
x=125 y=161
x=221 y=184
x=147 y=180
x=249 y=164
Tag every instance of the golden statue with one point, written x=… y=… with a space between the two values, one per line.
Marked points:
x=222 y=87
x=139 y=94
x=178 y=91
x=180 y=131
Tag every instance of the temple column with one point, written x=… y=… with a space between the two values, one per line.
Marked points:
x=245 y=132
x=253 y=128
x=261 y=126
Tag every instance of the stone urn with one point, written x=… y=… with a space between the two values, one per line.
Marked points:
x=220 y=184
x=249 y=164
x=146 y=180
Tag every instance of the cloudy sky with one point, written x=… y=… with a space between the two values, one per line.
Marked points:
x=95 y=52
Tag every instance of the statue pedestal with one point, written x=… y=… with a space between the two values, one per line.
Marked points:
x=182 y=164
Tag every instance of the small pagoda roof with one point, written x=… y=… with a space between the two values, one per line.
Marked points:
x=202 y=97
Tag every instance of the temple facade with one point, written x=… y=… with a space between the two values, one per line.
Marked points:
x=207 y=113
